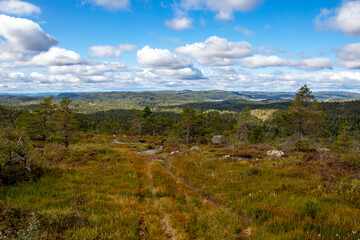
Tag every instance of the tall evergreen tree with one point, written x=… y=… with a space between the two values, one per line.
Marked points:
x=301 y=111
x=317 y=118
x=188 y=122
x=244 y=124
x=149 y=121
x=40 y=127
x=64 y=122
x=216 y=125
x=137 y=122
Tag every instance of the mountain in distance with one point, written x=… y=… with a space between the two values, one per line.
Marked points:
x=183 y=95
x=212 y=95
x=170 y=99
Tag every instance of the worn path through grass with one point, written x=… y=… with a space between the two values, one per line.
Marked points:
x=172 y=209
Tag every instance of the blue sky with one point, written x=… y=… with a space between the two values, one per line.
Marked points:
x=136 y=45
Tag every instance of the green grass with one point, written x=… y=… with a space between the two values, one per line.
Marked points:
x=104 y=190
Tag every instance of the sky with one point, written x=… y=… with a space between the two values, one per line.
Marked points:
x=146 y=45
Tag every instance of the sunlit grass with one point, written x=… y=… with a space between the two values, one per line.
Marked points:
x=103 y=190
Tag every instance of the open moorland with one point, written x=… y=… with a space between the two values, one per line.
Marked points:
x=188 y=174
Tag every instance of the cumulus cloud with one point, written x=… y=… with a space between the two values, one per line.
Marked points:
x=216 y=51
x=156 y=79
x=18 y=8
x=344 y=18
x=223 y=8
x=348 y=56
x=22 y=37
x=179 y=24
x=259 y=61
x=161 y=58
x=110 y=51
x=56 y=57
x=110 y=5
x=188 y=73
x=315 y=64
x=89 y=69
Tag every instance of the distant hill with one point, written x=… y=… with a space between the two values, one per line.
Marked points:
x=210 y=95
x=218 y=99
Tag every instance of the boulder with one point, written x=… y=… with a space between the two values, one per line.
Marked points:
x=275 y=153
x=218 y=139
x=195 y=149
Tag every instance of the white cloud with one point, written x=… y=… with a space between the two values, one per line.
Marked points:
x=56 y=57
x=161 y=58
x=89 y=69
x=110 y=51
x=315 y=64
x=345 y=18
x=188 y=73
x=179 y=24
x=224 y=68
x=259 y=61
x=22 y=38
x=349 y=56
x=216 y=51
x=187 y=78
x=110 y=5
x=224 y=8
x=18 y=8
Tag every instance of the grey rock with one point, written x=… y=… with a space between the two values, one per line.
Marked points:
x=195 y=149
x=275 y=153
x=218 y=139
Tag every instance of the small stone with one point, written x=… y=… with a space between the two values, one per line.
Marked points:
x=275 y=153
x=195 y=149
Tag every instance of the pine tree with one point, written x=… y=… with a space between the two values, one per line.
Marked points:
x=188 y=122
x=344 y=140
x=216 y=124
x=64 y=122
x=317 y=118
x=149 y=121
x=39 y=126
x=137 y=122
x=244 y=124
x=301 y=111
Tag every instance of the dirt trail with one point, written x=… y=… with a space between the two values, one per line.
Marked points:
x=189 y=185
x=144 y=165
x=169 y=231
x=142 y=233
x=206 y=197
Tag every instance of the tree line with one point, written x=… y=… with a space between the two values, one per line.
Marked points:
x=305 y=118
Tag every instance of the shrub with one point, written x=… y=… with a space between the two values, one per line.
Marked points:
x=302 y=144
x=310 y=208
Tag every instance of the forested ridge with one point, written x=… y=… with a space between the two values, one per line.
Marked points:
x=201 y=100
